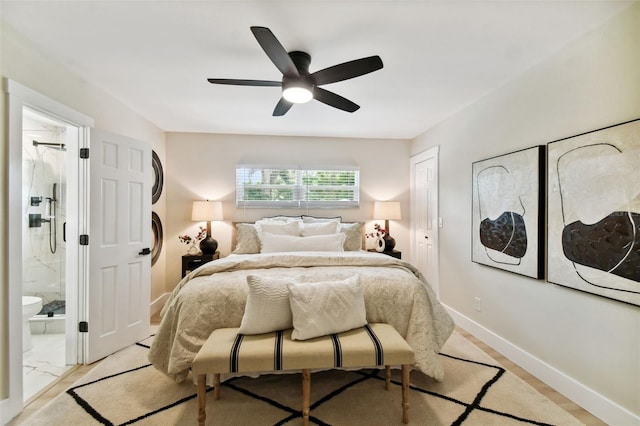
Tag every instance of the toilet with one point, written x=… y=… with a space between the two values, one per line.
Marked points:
x=31 y=305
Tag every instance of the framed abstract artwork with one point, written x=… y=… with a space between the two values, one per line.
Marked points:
x=594 y=212
x=508 y=212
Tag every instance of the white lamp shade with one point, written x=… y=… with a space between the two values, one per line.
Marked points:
x=386 y=210
x=206 y=210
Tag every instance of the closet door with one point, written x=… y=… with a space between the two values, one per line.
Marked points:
x=117 y=293
x=424 y=209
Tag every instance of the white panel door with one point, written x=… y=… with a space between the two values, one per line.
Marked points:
x=424 y=206
x=118 y=288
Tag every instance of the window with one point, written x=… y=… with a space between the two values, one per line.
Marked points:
x=284 y=187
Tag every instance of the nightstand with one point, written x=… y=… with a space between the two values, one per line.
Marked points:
x=189 y=262
x=394 y=253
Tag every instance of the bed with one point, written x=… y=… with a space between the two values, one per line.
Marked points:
x=214 y=295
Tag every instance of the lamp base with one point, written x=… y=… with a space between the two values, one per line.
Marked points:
x=389 y=242
x=208 y=245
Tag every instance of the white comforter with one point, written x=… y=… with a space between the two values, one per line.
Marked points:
x=214 y=296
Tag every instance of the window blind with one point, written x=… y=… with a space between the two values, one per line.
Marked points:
x=293 y=187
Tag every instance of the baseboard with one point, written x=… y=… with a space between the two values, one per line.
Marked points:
x=598 y=405
x=156 y=305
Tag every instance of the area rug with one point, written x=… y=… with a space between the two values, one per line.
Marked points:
x=124 y=389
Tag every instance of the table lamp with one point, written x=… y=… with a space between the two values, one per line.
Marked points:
x=207 y=211
x=387 y=210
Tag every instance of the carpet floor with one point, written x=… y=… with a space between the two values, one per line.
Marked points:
x=124 y=389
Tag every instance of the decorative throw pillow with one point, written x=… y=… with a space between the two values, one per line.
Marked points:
x=316 y=219
x=281 y=218
x=247 y=241
x=326 y=307
x=272 y=243
x=267 y=308
x=319 y=228
x=277 y=228
x=353 y=232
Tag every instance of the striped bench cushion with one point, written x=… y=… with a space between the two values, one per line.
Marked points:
x=226 y=351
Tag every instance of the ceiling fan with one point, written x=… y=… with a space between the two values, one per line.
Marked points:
x=298 y=85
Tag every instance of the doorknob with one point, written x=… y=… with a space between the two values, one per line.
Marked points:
x=426 y=238
x=145 y=251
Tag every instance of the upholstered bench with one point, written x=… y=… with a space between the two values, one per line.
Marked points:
x=226 y=351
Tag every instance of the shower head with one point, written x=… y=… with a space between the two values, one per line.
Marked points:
x=58 y=146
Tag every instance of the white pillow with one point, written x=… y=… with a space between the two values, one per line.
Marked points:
x=353 y=231
x=314 y=219
x=326 y=307
x=267 y=308
x=247 y=241
x=281 y=218
x=272 y=243
x=319 y=228
x=277 y=227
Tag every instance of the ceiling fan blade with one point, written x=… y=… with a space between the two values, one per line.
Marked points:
x=275 y=51
x=347 y=70
x=334 y=100
x=282 y=107
x=237 y=82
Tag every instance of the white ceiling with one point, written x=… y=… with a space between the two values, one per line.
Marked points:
x=439 y=56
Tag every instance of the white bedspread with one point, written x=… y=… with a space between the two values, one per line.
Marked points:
x=214 y=295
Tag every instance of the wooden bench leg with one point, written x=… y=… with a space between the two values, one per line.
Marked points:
x=202 y=396
x=405 y=393
x=216 y=384
x=387 y=377
x=306 y=395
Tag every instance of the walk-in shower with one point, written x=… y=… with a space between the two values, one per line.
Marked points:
x=44 y=182
x=45 y=167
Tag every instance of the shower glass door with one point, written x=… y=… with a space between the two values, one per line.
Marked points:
x=44 y=253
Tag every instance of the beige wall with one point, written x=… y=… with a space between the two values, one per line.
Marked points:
x=202 y=166
x=23 y=63
x=4 y=294
x=592 y=83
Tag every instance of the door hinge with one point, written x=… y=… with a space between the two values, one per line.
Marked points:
x=84 y=152
x=83 y=327
x=84 y=240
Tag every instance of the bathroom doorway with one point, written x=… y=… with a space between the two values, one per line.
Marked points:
x=92 y=297
x=34 y=117
x=48 y=350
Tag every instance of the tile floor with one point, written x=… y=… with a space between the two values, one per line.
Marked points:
x=43 y=363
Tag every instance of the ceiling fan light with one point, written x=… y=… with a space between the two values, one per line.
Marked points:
x=297 y=94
